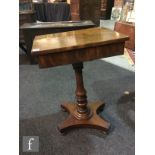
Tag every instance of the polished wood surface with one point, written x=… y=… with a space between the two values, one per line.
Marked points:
x=81 y=114
x=77 y=46
x=74 y=48
x=82 y=111
x=72 y=40
x=80 y=55
x=30 y=30
x=95 y=121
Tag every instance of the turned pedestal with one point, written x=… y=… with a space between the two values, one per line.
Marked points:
x=82 y=114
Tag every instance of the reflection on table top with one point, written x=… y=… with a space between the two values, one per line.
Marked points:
x=77 y=39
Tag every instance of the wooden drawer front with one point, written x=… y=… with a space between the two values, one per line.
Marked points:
x=88 y=54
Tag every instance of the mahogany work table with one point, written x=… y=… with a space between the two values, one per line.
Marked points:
x=75 y=47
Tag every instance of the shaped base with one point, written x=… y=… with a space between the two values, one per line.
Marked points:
x=94 y=121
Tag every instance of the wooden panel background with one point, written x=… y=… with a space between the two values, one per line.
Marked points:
x=86 y=10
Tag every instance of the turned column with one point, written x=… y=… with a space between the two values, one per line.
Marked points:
x=82 y=111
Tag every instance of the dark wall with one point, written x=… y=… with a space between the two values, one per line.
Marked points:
x=110 y=4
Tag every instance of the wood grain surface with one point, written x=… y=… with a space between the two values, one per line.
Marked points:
x=77 y=39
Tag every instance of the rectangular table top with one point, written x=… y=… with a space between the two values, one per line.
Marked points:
x=74 y=40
